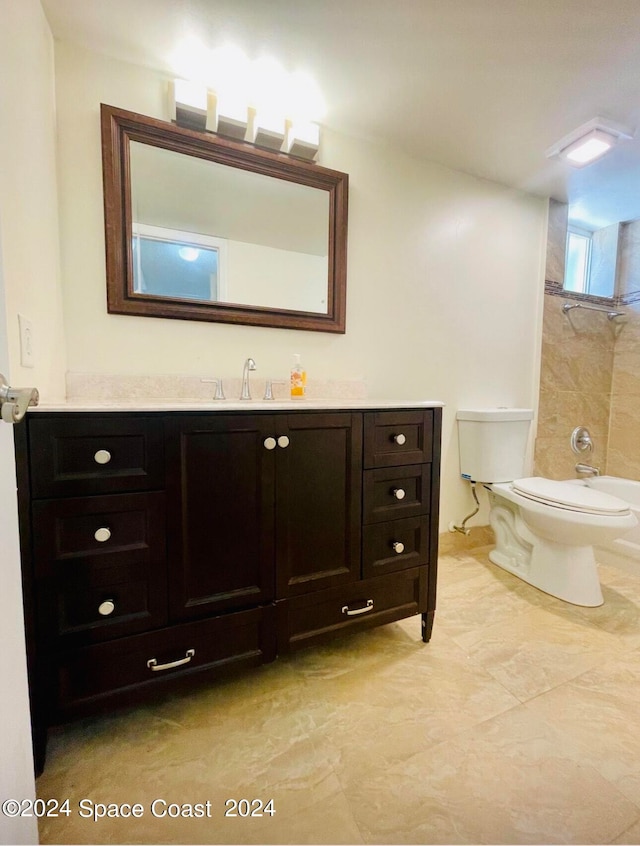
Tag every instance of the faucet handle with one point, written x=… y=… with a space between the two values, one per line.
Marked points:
x=268 y=388
x=581 y=440
x=219 y=394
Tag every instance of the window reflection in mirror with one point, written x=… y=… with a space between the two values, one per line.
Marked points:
x=596 y=260
x=576 y=277
x=180 y=265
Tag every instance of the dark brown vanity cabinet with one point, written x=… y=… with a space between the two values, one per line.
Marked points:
x=397 y=576
x=163 y=546
x=260 y=507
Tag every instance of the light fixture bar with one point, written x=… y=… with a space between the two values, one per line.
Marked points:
x=193 y=106
x=269 y=130
x=188 y=104
x=303 y=140
x=231 y=117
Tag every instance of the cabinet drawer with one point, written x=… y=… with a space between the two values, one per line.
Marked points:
x=396 y=492
x=74 y=454
x=124 y=667
x=101 y=563
x=397 y=545
x=372 y=602
x=397 y=437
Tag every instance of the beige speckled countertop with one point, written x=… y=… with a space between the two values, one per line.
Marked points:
x=147 y=404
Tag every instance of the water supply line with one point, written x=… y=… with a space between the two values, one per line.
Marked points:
x=462 y=528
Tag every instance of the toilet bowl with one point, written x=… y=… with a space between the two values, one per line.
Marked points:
x=546 y=530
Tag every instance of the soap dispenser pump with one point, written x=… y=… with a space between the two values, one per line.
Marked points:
x=298 y=379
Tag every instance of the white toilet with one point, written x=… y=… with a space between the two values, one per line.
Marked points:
x=545 y=530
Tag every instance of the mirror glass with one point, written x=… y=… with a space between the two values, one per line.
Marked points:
x=592 y=260
x=205 y=231
x=603 y=226
x=200 y=227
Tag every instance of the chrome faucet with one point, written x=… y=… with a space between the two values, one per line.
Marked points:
x=587 y=469
x=248 y=366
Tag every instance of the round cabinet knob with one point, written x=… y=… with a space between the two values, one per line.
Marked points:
x=399 y=493
x=283 y=441
x=270 y=443
x=102 y=456
x=103 y=534
x=107 y=607
x=398 y=547
x=399 y=439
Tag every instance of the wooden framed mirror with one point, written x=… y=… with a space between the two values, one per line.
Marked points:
x=199 y=227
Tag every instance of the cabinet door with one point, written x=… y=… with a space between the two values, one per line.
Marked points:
x=220 y=512
x=318 y=515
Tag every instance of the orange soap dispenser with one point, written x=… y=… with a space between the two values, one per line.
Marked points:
x=298 y=379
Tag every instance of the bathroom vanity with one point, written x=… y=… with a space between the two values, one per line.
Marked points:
x=170 y=543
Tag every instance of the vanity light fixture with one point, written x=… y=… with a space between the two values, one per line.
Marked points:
x=269 y=130
x=229 y=117
x=589 y=142
x=193 y=106
x=303 y=140
x=188 y=104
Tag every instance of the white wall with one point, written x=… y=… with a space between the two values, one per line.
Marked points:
x=274 y=278
x=29 y=283
x=29 y=225
x=445 y=275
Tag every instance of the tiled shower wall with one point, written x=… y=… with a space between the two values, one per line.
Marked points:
x=575 y=387
x=623 y=457
x=590 y=370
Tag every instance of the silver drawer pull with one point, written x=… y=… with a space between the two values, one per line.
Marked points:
x=102 y=456
x=270 y=443
x=399 y=493
x=283 y=441
x=107 y=607
x=398 y=547
x=399 y=439
x=368 y=607
x=103 y=534
x=152 y=663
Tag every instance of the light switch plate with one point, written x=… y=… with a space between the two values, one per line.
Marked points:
x=26 y=342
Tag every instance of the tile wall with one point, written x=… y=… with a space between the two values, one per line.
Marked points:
x=590 y=369
x=623 y=457
x=575 y=387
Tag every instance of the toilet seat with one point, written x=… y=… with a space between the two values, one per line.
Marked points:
x=569 y=497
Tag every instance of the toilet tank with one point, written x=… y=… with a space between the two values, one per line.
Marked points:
x=493 y=443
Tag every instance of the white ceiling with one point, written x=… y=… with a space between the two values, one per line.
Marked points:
x=481 y=86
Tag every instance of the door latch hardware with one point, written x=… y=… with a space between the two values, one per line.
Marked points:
x=15 y=401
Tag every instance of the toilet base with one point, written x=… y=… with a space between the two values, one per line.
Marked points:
x=567 y=572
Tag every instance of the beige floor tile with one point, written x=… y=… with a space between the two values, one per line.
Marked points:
x=631 y=835
x=538 y=650
x=620 y=613
x=298 y=778
x=598 y=711
x=509 y=780
x=412 y=702
x=479 y=594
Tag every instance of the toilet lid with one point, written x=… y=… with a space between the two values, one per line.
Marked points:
x=573 y=497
